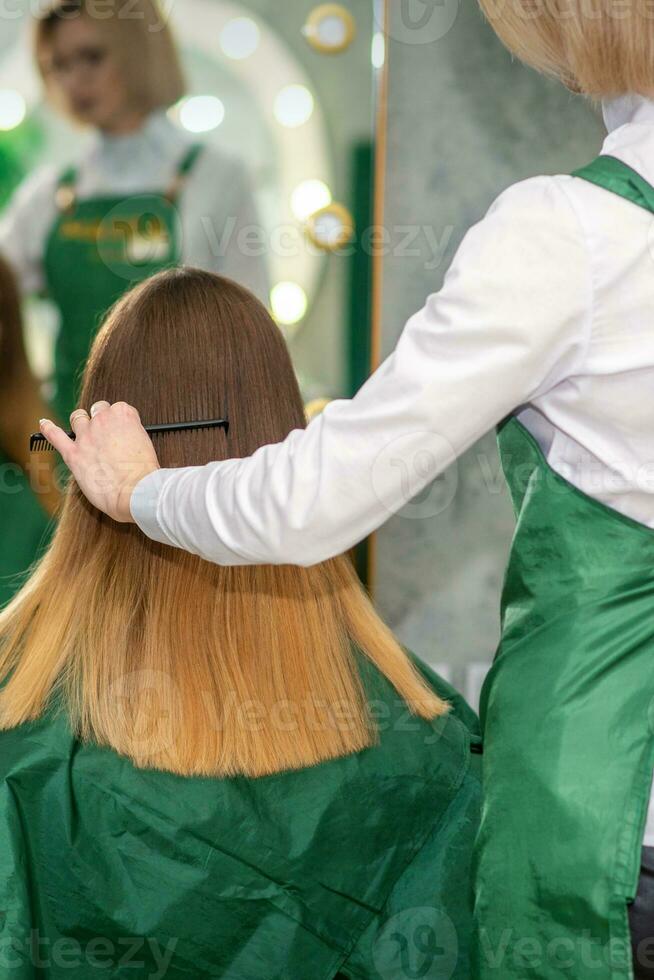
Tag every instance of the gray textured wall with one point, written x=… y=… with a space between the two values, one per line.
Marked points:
x=465 y=121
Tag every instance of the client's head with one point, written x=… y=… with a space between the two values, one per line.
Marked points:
x=170 y=660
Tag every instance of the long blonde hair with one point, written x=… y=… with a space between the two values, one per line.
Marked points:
x=175 y=662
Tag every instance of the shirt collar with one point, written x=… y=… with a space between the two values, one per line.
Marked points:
x=157 y=141
x=630 y=108
x=157 y=132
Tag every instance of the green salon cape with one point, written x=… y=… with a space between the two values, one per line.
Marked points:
x=567 y=719
x=358 y=867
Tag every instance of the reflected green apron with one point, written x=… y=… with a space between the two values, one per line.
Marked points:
x=25 y=528
x=567 y=716
x=97 y=250
x=109 y=870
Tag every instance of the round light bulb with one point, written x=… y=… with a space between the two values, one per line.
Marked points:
x=294 y=106
x=331 y=227
x=330 y=28
x=310 y=196
x=289 y=302
x=239 y=38
x=201 y=113
x=13 y=109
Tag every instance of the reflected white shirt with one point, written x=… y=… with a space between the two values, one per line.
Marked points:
x=216 y=203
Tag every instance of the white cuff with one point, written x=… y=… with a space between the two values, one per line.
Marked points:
x=143 y=505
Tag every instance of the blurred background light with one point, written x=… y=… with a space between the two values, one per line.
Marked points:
x=239 y=38
x=289 y=302
x=310 y=196
x=201 y=113
x=294 y=106
x=13 y=109
x=378 y=50
x=330 y=28
x=333 y=31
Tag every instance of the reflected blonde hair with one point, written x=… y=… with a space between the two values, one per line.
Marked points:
x=175 y=662
x=138 y=36
x=598 y=47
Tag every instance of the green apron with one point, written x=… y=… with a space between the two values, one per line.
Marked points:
x=358 y=867
x=567 y=716
x=97 y=250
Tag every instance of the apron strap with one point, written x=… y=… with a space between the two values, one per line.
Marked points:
x=65 y=192
x=613 y=175
x=183 y=170
x=65 y=195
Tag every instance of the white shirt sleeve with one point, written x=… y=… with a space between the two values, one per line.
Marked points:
x=24 y=227
x=511 y=320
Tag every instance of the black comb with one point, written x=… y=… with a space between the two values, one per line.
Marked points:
x=39 y=443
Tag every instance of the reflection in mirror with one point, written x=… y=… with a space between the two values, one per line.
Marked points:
x=229 y=135
x=330 y=28
x=330 y=227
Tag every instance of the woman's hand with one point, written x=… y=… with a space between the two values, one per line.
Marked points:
x=110 y=454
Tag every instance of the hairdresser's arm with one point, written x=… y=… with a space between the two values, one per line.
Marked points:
x=511 y=320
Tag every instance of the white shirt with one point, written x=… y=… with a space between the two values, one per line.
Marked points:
x=546 y=309
x=216 y=204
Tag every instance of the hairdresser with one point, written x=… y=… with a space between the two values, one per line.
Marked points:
x=543 y=328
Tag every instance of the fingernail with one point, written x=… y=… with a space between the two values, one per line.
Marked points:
x=41 y=421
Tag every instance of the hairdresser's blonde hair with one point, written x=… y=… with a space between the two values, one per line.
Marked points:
x=138 y=35
x=249 y=670
x=602 y=48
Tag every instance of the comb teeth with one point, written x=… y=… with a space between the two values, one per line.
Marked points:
x=39 y=444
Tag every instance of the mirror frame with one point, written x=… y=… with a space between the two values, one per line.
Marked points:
x=379 y=212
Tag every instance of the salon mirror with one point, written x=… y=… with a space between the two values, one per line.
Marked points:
x=290 y=89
